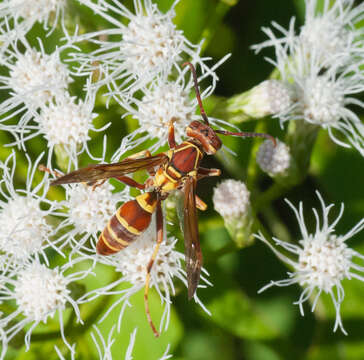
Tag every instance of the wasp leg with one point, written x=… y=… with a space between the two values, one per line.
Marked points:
x=159 y=216
x=200 y=204
x=96 y=183
x=43 y=168
x=130 y=182
x=204 y=172
x=171 y=137
x=139 y=155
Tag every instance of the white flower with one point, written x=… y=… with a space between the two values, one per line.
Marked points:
x=34 y=76
x=24 y=14
x=89 y=210
x=323 y=260
x=325 y=84
x=130 y=55
x=231 y=198
x=333 y=32
x=65 y=123
x=24 y=229
x=132 y=263
x=34 y=79
x=104 y=347
x=38 y=292
x=104 y=351
x=272 y=159
x=164 y=101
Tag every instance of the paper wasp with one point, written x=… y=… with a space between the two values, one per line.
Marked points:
x=178 y=168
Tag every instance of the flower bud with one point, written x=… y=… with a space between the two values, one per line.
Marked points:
x=231 y=201
x=274 y=160
x=270 y=97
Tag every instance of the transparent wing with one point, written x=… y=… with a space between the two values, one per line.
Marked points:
x=106 y=171
x=192 y=243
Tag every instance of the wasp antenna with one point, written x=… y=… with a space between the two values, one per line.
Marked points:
x=248 y=134
x=198 y=96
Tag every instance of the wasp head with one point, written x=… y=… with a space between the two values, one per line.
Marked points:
x=205 y=135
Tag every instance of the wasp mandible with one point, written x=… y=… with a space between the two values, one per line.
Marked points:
x=176 y=169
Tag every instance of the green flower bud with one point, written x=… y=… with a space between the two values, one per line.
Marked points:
x=231 y=201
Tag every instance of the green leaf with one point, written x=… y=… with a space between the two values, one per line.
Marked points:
x=235 y=312
x=256 y=351
x=146 y=345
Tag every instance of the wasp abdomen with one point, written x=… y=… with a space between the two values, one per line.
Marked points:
x=129 y=221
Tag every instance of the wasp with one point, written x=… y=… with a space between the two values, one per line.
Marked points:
x=176 y=169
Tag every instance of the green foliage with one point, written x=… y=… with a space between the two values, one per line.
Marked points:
x=242 y=325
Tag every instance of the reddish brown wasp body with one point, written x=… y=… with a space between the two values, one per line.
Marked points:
x=178 y=168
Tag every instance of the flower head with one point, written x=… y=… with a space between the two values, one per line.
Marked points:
x=164 y=101
x=65 y=123
x=323 y=260
x=272 y=159
x=34 y=76
x=89 y=210
x=133 y=54
x=34 y=79
x=38 y=293
x=25 y=231
x=325 y=81
x=24 y=14
x=270 y=97
x=332 y=31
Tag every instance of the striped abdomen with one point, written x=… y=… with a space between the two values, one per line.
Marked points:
x=129 y=221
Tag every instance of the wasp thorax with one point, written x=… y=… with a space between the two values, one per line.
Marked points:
x=205 y=135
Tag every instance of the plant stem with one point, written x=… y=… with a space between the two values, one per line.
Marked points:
x=266 y=198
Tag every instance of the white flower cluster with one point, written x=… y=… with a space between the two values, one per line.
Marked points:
x=26 y=277
x=139 y=63
x=231 y=198
x=145 y=55
x=322 y=64
x=25 y=230
x=323 y=260
x=22 y=15
x=38 y=98
x=49 y=235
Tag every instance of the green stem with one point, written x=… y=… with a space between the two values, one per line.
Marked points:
x=230 y=162
x=274 y=192
x=214 y=21
x=230 y=247
x=279 y=229
x=252 y=173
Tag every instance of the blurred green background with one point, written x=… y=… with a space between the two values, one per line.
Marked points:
x=243 y=324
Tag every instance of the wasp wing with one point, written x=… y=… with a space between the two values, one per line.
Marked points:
x=192 y=243
x=105 y=171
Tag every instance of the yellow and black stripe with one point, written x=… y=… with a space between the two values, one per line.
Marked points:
x=129 y=221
